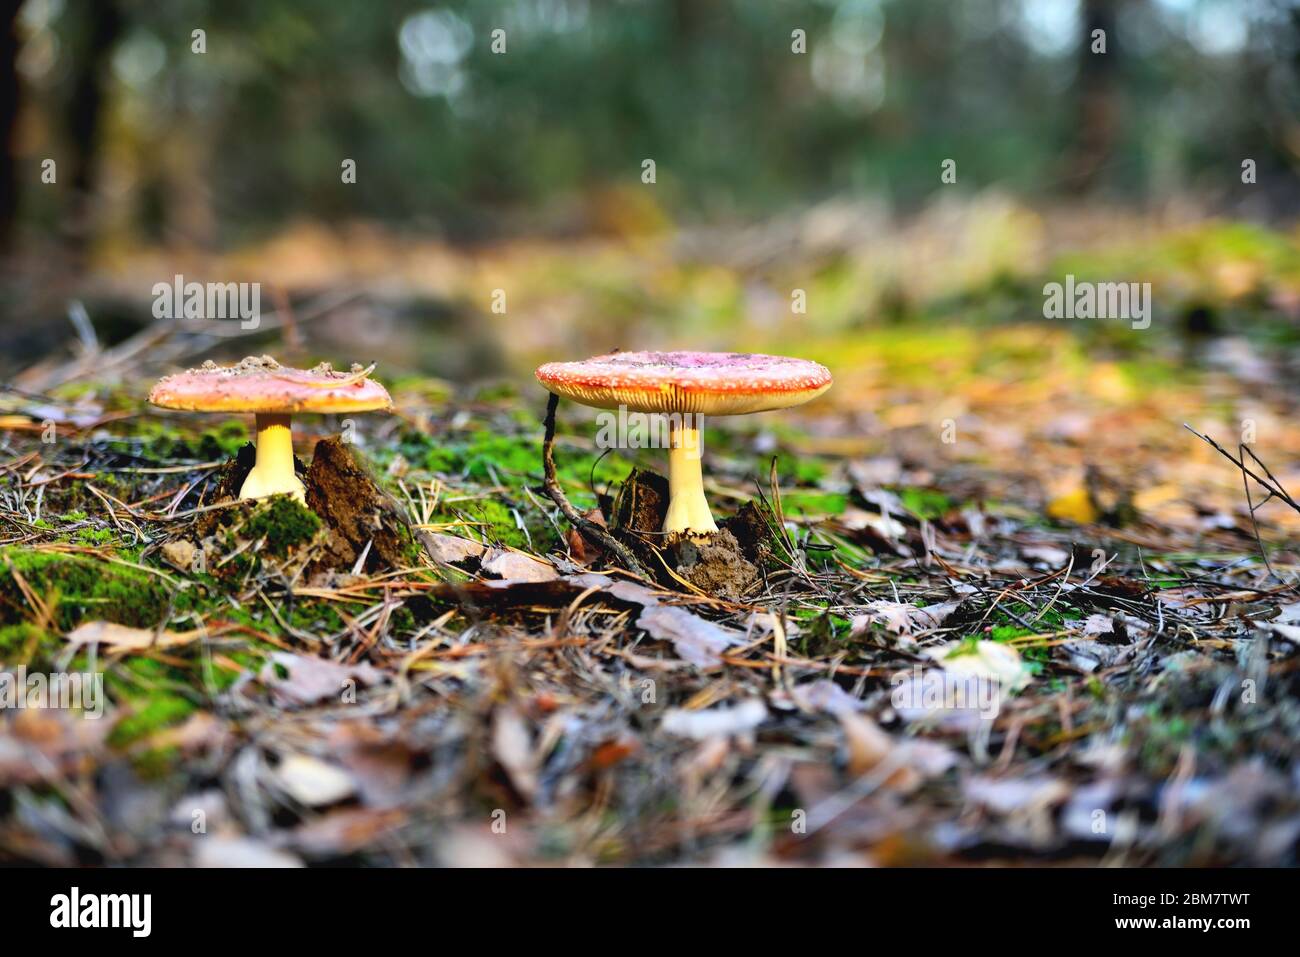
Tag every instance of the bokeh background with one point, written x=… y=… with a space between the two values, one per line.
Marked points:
x=521 y=171
x=453 y=139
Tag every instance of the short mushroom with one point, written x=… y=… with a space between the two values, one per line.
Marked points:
x=687 y=386
x=272 y=392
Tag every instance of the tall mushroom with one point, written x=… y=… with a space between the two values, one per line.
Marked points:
x=687 y=386
x=272 y=392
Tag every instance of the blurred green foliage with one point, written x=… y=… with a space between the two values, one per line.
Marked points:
x=451 y=136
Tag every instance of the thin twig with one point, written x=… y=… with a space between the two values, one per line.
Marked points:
x=585 y=526
x=1271 y=485
x=1254 y=520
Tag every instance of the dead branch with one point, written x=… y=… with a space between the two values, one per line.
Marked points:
x=587 y=528
x=1271 y=485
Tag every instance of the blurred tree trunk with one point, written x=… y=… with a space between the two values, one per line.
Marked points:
x=1098 y=98
x=687 y=18
x=8 y=119
x=86 y=112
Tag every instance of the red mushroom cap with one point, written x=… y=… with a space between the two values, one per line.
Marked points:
x=708 y=383
x=260 y=384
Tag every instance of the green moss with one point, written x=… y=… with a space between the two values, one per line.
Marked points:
x=149 y=715
x=284 y=522
x=925 y=503
x=798 y=503
x=485 y=452
x=249 y=660
x=402 y=620
x=158 y=440
x=432 y=390
x=477 y=457
x=155 y=695
x=497 y=392
x=809 y=471
x=93 y=536
x=413 y=553
x=1035 y=657
x=156 y=763
x=24 y=642
x=493 y=520
x=820 y=630
x=229 y=438
x=316 y=617
x=81 y=587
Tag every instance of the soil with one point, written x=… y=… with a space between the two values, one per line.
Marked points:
x=230 y=477
x=715 y=564
x=353 y=508
x=726 y=563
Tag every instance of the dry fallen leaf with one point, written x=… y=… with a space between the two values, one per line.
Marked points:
x=715 y=722
x=1099 y=625
x=822 y=695
x=512 y=745
x=122 y=637
x=479 y=847
x=695 y=639
x=343 y=831
x=179 y=554
x=450 y=549
x=859 y=519
x=307 y=680
x=516 y=566
x=612 y=752
x=312 y=782
x=903 y=619
x=913 y=760
x=1074 y=505
x=992 y=660
x=583 y=551
x=1012 y=795
x=923 y=697
x=1049 y=555
x=867 y=744
x=37 y=743
x=218 y=850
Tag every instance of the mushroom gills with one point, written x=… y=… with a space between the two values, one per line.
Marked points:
x=688 y=510
x=273 y=472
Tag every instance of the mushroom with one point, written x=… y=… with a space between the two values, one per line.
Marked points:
x=687 y=386
x=272 y=392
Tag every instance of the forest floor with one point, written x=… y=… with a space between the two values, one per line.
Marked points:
x=1015 y=504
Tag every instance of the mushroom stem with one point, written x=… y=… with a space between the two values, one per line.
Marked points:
x=273 y=473
x=688 y=510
